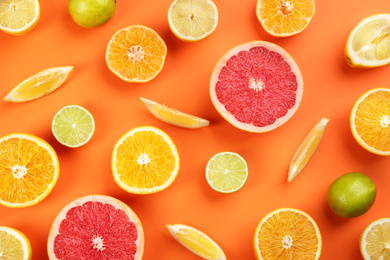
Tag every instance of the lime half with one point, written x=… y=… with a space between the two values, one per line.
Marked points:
x=226 y=172
x=73 y=126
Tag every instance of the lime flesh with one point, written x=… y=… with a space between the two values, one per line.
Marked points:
x=91 y=13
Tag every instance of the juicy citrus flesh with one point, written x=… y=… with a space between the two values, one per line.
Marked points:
x=192 y=20
x=351 y=195
x=226 y=172
x=306 y=149
x=18 y=17
x=370 y=121
x=73 y=126
x=196 y=241
x=256 y=86
x=368 y=44
x=14 y=244
x=136 y=54
x=91 y=14
x=283 y=18
x=29 y=169
x=96 y=227
x=145 y=160
x=374 y=240
x=173 y=116
x=287 y=233
x=39 y=85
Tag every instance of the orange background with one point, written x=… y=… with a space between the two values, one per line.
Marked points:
x=331 y=88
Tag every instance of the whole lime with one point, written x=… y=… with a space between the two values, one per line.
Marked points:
x=91 y=13
x=351 y=195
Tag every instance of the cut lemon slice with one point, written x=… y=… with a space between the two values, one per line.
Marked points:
x=14 y=244
x=307 y=149
x=196 y=241
x=39 y=85
x=173 y=116
x=374 y=240
x=368 y=44
x=18 y=17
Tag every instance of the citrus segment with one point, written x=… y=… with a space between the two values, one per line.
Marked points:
x=374 y=240
x=282 y=18
x=307 y=149
x=73 y=126
x=173 y=116
x=370 y=121
x=256 y=86
x=196 y=241
x=226 y=172
x=145 y=160
x=14 y=244
x=368 y=44
x=39 y=85
x=287 y=233
x=29 y=169
x=96 y=227
x=192 y=20
x=18 y=17
x=136 y=54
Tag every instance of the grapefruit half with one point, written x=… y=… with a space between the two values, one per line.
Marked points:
x=256 y=86
x=96 y=227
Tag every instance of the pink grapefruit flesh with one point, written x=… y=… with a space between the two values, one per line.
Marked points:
x=256 y=86
x=96 y=227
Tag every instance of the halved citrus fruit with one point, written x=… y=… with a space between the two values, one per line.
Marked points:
x=307 y=149
x=368 y=44
x=370 y=121
x=18 y=17
x=73 y=126
x=39 y=85
x=282 y=18
x=256 y=86
x=287 y=233
x=136 y=54
x=145 y=160
x=192 y=20
x=14 y=244
x=196 y=241
x=29 y=169
x=96 y=227
x=374 y=240
x=173 y=116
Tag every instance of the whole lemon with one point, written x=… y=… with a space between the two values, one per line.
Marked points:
x=91 y=13
x=351 y=194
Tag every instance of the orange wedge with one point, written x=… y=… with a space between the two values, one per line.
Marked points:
x=307 y=149
x=173 y=116
x=18 y=17
x=282 y=18
x=136 y=54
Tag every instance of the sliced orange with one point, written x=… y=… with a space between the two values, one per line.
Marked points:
x=307 y=149
x=285 y=234
x=136 y=54
x=370 y=121
x=29 y=169
x=374 y=240
x=173 y=116
x=39 y=85
x=18 y=17
x=282 y=18
x=145 y=160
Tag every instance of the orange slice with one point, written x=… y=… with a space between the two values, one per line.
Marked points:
x=287 y=233
x=29 y=169
x=145 y=160
x=374 y=240
x=307 y=149
x=173 y=116
x=370 y=121
x=39 y=85
x=18 y=17
x=136 y=54
x=14 y=244
x=282 y=18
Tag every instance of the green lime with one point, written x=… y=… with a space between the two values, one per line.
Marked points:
x=351 y=194
x=91 y=13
